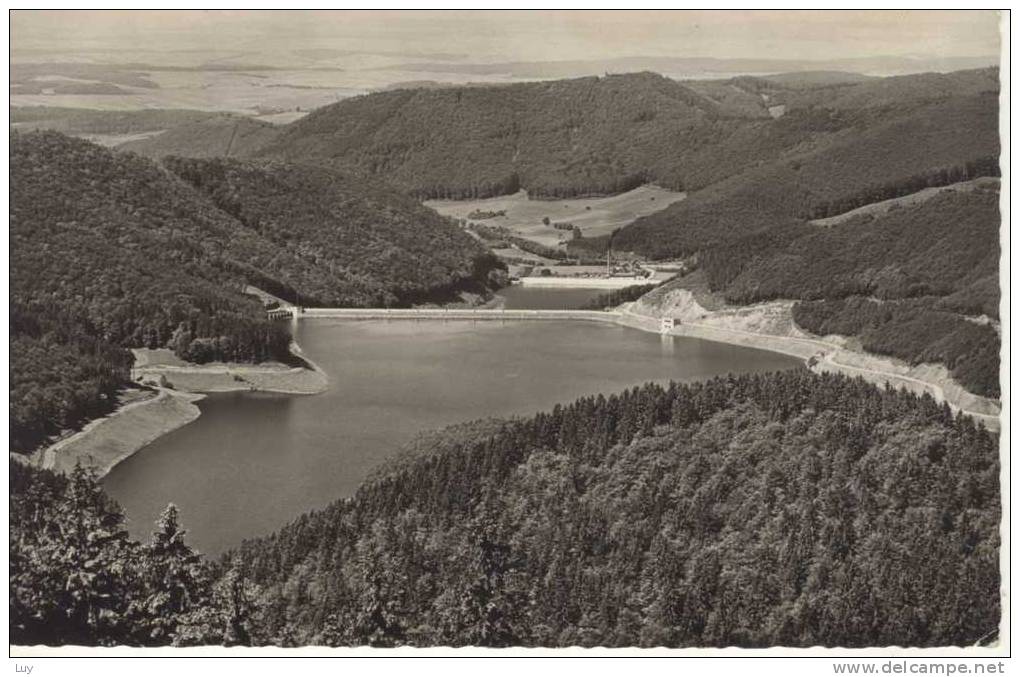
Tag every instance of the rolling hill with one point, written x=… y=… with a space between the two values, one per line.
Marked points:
x=337 y=239
x=129 y=254
x=933 y=264
x=601 y=135
x=560 y=138
x=917 y=283
x=759 y=157
x=828 y=161
x=120 y=256
x=596 y=135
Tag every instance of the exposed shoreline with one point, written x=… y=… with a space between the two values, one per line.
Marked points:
x=160 y=366
x=770 y=327
x=105 y=442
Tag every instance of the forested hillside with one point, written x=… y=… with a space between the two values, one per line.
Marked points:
x=869 y=155
x=216 y=136
x=784 y=509
x=341 y=241
x=872 y=141
x=916 y=282
x=750 y=231
x=110 y=250
x=601 y=135
x=604 y=135
x=941 y=246
x=560 y=138
x=796 y=90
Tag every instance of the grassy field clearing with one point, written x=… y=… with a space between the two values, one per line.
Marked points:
x=594 y=216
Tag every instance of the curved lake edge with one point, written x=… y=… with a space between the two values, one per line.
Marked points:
x=822 y=354
x=104 y=442
x=107 y=441
x=253 y=462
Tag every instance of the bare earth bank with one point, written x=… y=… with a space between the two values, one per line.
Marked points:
x=770 y=326
x=177 y=385
x=162 y=367
x=107 y=441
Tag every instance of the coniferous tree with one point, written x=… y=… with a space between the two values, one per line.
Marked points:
x=175 y=577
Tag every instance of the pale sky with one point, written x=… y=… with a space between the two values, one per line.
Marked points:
x=527 y=35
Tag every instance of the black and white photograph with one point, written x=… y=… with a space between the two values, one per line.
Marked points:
x=486 y=332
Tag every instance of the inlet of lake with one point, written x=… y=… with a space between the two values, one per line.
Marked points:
x=253 y=462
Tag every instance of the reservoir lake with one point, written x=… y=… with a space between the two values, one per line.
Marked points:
x=517 y=297
x=253 y=462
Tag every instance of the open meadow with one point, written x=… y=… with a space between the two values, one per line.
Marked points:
x=594 y=215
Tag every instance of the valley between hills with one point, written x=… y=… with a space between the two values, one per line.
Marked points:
x=850 y=223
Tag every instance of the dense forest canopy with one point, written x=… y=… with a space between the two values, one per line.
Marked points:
x=112 y=251
x=557 y=139
x=851 y=157
x=605 y=135
x=936 y=248
x=782 y=509
x=107 y=253
x=76 y=577
x=356 y=242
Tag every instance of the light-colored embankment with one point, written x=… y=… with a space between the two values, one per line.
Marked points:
x=162 y=367
x=178 y=386
x=107 y=441
x=770 y=326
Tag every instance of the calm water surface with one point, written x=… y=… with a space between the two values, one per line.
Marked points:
x=545 y=298
x=254 y=461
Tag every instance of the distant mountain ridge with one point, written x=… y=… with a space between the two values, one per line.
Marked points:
x=90 y=121
x=693 y=66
